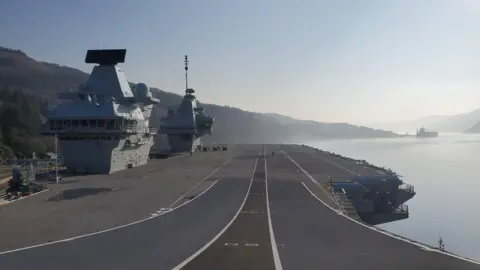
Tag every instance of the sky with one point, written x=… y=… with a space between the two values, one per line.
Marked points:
x=331 y=61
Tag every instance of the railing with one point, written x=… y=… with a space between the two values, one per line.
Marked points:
x=337 y=200
x=408 y=188
x=402 y=209
x=49 y=129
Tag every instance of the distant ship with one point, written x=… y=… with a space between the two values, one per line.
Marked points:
x=104 y=126
x=424 y=133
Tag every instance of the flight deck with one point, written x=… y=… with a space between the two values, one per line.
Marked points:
x=251 y=207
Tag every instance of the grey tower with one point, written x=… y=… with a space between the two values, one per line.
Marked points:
x=104 y=126
x=186 y=124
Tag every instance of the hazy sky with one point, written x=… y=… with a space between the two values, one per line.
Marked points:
x=350 y=61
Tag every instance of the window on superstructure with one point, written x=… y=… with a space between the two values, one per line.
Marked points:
x=110 y=124
x=92 y=123
x=57 y=124
x=118 y=124
x=101 y=123
x=84 y=123
x=75 y=123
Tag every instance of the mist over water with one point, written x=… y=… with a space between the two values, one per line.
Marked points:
x=445 y=172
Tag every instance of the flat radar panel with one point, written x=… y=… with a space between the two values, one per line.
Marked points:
x=106 y=57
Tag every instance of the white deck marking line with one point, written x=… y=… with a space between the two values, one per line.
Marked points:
x=202 y=249
x=339 y=166
x=276 y=255
x=111 y=229
x=416 y=243
x=422 y=246
x=199 y=183
x=251 y=244
x=310 y=177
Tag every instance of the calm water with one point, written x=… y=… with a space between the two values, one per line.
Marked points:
x=446 y=174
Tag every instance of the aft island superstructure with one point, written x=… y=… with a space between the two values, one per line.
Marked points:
x=104 y=126
x=186 y=124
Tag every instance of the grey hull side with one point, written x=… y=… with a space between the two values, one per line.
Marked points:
x=102 y=157
x=183 y=143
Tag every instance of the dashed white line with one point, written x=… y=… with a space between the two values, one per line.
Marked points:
x=276 y=255
x=251 y=245
x=198 y=252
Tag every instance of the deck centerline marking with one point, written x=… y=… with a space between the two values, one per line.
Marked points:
x=215 y=238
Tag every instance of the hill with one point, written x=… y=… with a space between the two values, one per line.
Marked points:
x=232 y=125
x=458 y=123
x=410 y=125
x=475 y=129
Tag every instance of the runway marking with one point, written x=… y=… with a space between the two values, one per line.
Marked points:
x=276 y=255
x=125 y=225
x=251 y=245
x=421 y=246
x=309 y=176
x=199 y=183
x=231 y=244
x=251 y=212
x=207 y=245
x=339 y=166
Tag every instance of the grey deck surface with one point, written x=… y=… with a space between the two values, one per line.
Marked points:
x=308 y=234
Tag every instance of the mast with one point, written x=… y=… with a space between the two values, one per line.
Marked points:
x=186 y=72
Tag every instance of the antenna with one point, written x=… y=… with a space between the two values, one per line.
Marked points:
x=186 y=72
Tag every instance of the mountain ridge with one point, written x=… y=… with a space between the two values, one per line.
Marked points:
x=232 y=125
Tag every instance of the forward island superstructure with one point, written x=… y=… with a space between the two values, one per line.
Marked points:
x=186 y=124
x=104 y=126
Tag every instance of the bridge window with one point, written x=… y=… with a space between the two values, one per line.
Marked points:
x=110 y=124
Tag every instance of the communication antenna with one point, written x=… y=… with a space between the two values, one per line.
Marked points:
x=186 y=72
